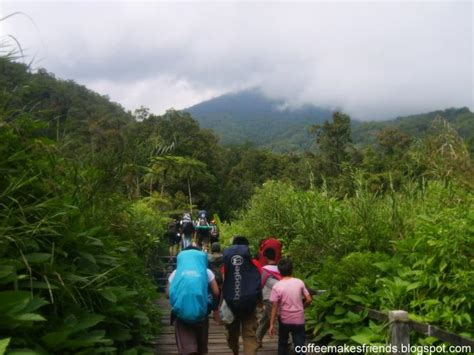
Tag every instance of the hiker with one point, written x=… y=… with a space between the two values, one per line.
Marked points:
x=269 y=242
x=242 y=293
x=215 y=263
x=287 y=297
x=174 y=237
x=214 y=232
x=203 y=229
x=188 y=291
x=270 y=276
x=216 y=260
x=186 y=230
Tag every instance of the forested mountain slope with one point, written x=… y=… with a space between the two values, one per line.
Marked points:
x=462 y=119
x=250 y=116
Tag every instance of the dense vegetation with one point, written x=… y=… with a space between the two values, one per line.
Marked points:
x=86 y=189
x=402 y=237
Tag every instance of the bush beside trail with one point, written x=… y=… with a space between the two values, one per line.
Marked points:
x=410 y=249
x=72 y=276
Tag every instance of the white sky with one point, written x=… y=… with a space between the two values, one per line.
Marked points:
x=373 y=59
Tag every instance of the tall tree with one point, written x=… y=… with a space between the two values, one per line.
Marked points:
x=333 y=139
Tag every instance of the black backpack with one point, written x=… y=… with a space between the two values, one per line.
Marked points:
x=214 y=265
x=242 y=282
x=188 y=227
x=173 y=227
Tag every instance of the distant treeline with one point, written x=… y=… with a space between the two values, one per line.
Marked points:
x=125 y=145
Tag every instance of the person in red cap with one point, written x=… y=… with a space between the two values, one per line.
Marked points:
x=269 y=243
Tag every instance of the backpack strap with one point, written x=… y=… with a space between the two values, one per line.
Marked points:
x=267 y=273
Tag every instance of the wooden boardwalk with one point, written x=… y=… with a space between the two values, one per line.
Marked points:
x=166 y=344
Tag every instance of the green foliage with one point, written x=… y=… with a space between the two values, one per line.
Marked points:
x=71 y=275
x=333 y=140
x=3 y=345
x=411 y=250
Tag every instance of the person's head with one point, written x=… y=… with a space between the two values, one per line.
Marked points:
x=285 y=267
x=215 y=247
x=240 y=240
x=191 y=247
x=269 y=254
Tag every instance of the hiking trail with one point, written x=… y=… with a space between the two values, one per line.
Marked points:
x=166 y=343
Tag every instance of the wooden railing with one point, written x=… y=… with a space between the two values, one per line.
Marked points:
x=401 y=326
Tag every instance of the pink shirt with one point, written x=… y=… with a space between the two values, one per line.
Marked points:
x=288 y=294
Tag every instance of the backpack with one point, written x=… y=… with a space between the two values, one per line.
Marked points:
x=215 y=264
x=242 y=281
x=189 y=288
x=172 y=227
x=187 y=224
x=273 y=243
x=202 y=222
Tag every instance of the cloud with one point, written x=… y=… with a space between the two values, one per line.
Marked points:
x=373 y=59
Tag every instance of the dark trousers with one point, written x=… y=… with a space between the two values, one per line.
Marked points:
x=298 y=334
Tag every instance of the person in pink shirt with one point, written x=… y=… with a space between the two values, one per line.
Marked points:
x=289 y=296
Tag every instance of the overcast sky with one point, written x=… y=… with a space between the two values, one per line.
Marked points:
x=373 y=59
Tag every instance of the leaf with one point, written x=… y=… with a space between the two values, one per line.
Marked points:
x=33 y=317
x=142 y=317
x=89 y=322
x=55 y=338
x=362 y=338
x=413 y=286
x=383 y=266
x=108 y=294
x=38 y=258
x=40 y=285
x=121 y=334
x=3 y=345
x=339 y=310
x=34 y=304
x=6 y=271
x=94 y=242
x=357 y=298
x=88 y=256
x=89 y=339
x=13 y=301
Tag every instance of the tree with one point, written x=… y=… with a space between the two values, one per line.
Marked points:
x=165 y=169
x=333 y=140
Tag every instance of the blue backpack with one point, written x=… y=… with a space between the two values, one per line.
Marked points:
x=189 y=287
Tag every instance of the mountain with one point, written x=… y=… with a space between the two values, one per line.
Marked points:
x=461 y=119
x=249 y=116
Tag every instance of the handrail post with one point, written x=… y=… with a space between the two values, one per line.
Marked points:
x=399 y=332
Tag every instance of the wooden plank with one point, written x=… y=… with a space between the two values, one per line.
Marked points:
x=165 y=343
x=442 y=334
